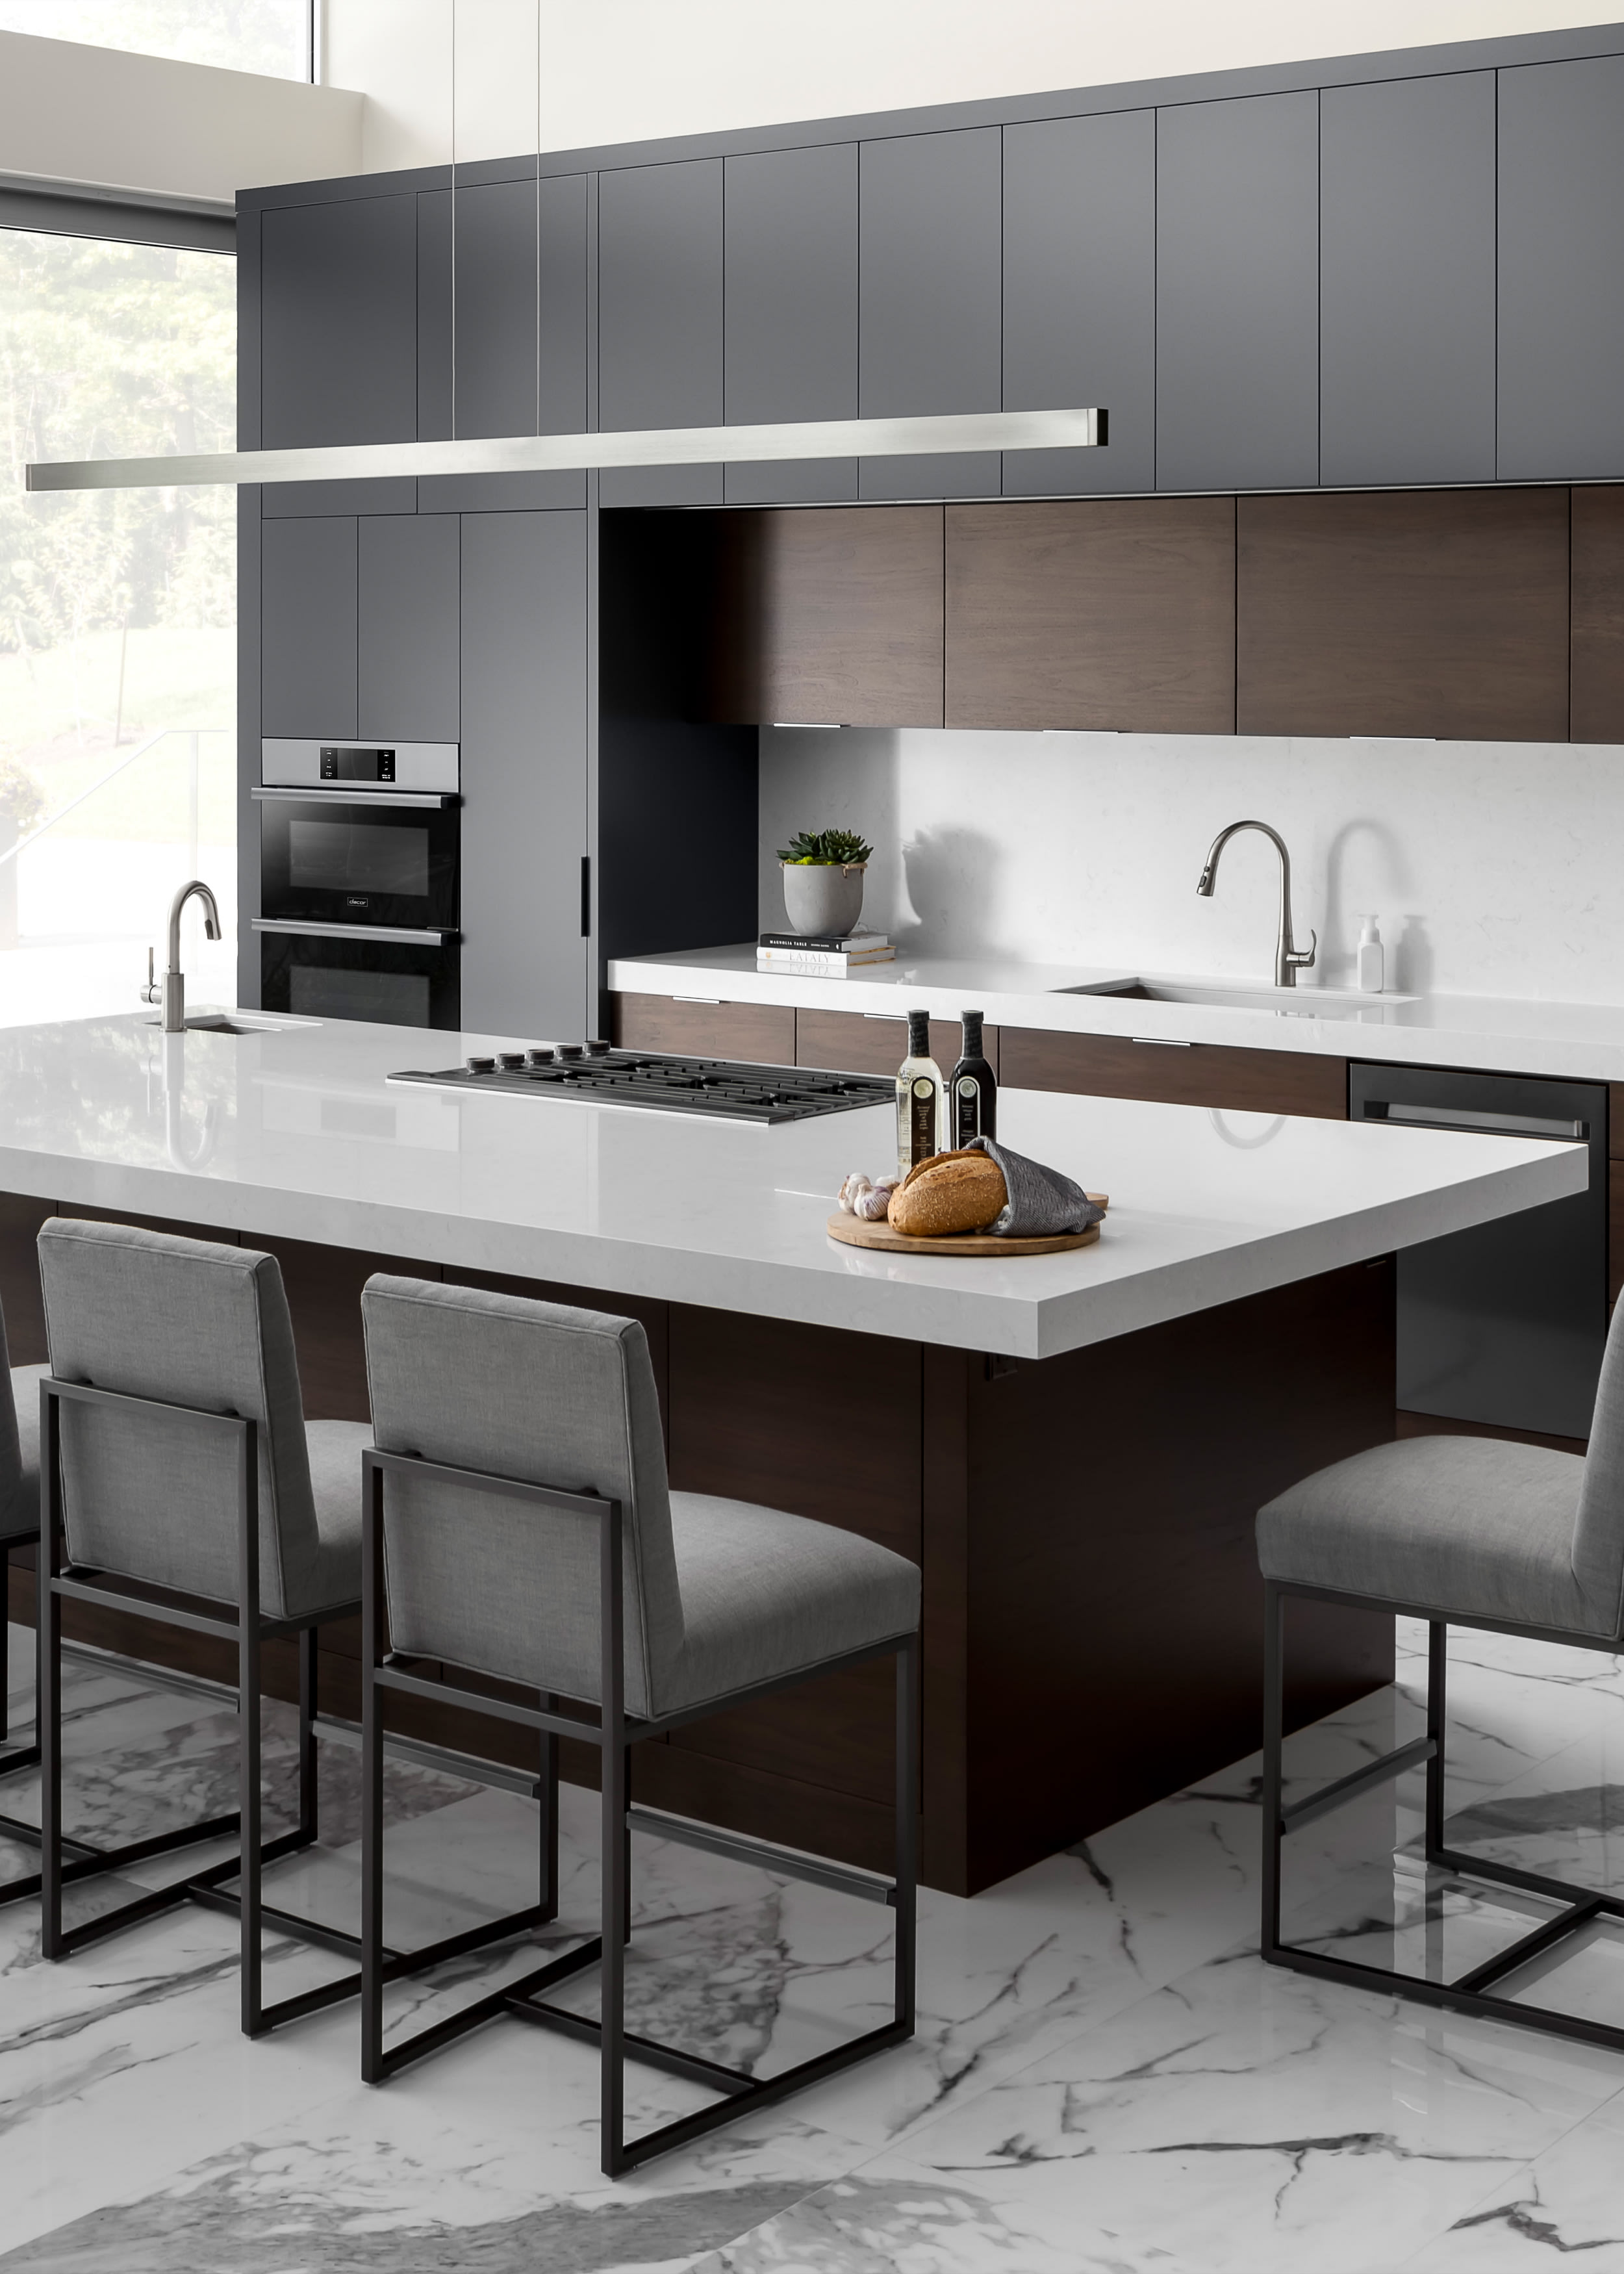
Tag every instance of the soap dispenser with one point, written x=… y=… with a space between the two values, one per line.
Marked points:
x=1370 y=957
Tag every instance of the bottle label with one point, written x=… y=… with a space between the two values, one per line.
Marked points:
x=968 y=1108
x=922 y=1118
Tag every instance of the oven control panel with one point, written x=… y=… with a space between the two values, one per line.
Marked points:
x=287 y=764
x=341 y=763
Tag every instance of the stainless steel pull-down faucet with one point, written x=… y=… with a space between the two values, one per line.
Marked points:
x=170 y=991
x=1288 y=959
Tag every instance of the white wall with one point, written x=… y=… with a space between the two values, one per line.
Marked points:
x=82 y=114
x=615 y=71
x=1494 y=866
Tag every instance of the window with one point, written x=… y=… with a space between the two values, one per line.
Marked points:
x=117 y=615
x=272 y=36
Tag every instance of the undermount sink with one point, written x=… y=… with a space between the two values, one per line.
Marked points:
x=1235 y=995
x=228 y=1023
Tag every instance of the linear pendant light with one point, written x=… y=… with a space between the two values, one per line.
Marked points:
x=525 y=454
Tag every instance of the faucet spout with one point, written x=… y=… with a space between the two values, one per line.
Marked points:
x=171 y=992
x=1289 y=958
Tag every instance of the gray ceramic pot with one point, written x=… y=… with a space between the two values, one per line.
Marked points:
x=822 y=899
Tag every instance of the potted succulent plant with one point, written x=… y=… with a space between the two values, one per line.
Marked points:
x=824 y=872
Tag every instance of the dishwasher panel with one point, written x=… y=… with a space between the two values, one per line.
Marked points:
x=1505 y=1323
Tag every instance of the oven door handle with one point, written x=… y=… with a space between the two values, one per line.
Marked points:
x=395 y=932
x=359 y=794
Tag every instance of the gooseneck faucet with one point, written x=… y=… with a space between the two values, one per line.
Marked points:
x=1289 y=959
x=170 y=991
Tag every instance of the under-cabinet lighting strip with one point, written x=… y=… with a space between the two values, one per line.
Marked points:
x=529 y=454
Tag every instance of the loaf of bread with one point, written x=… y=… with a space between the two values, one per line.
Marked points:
x=952 y=1191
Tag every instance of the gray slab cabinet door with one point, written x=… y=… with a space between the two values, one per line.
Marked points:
x=308 y=625
x=1561 y=271
x=1407 y=281
x=407 y=668
x=791 y=311
x=660 y=319
x=1079 y=295
x=1237 y=294
x=929 y=318
x=508 y=329
x=524 y=774
x=339 y=312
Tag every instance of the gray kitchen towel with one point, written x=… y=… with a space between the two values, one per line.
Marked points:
x=1041 y=1201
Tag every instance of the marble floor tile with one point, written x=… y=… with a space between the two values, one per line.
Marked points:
x=1565 y=2203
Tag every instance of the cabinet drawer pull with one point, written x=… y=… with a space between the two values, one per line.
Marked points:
x=713 y=999
x=1161 y=1042
x=893 y=1018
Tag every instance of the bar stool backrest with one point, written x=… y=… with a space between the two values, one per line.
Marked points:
x=151 y=1496
x=1598 y=1534
x=548 y=1396
x=20 y=1498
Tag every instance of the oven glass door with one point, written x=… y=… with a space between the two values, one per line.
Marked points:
x=389 y=981
x=347 y=861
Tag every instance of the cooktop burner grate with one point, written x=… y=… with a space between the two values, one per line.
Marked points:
x=711 y=1089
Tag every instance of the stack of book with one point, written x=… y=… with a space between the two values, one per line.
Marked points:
x=819 y=954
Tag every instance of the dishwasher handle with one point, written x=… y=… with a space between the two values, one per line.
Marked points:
x=1454 y=1117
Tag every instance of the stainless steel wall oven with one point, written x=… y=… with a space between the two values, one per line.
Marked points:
x=358 y=881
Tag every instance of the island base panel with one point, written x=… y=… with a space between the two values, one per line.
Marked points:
x=1093 y=1615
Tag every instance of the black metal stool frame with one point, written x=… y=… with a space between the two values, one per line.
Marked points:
x=250 y=1631
x=614 y=1733
x=15 y=1757
x=1472 y=1992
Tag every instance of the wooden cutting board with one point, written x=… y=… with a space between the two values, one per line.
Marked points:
x=852 y=1231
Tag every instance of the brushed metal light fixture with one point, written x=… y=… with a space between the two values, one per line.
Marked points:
x=661 y=446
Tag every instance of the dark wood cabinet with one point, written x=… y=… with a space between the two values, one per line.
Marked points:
x=854 y=1042
x=1116 y=614
x=1597 y=617
x=1615 y=1229
x=660 y=288
x=1435 y=614
x=1080 y=297
x=761 y=1034
x=1173 y=1073
x=832 y=614
x=1407 y=280
x=790 y=323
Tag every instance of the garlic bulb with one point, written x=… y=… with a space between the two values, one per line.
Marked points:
x=873 y=1205
x=851 y=1191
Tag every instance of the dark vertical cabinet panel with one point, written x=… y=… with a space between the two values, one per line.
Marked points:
x=1440 y=613
x=308 y=627
x=1407 y=281
x=340 y=312
x=1080 y=294
x=1596 y=660
x=434 y=347
x=524 y=772
x=790 y=329
x=930 y=321
x=1561 y=271
x=407 y=670
x=495 y=364
x=1237 y=314
x=660 y=319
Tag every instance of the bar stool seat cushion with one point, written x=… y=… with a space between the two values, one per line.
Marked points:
x=1476 y=1526
x=764 y=1593
x=19 y=1500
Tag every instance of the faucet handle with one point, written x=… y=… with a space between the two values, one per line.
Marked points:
x=152 y=992
x=1302 y=959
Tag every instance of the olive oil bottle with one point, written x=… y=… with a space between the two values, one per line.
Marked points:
x=972 y=1089
x=921 y=1098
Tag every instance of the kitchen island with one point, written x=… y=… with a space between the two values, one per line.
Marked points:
x=1071 y=1446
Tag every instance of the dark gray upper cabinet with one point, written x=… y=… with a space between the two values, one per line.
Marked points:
x=660 y=319
x=408 y=670
x=1561 y=271
x=790 y=328
x=308 y=627
x=1079 y=296
x=339 y=343
x=1237 y=294
x=1407 y=281
x=524 y=774
x=929 y=324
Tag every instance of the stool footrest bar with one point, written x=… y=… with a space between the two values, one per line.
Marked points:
x=1357 y=1782
x=742 y=1848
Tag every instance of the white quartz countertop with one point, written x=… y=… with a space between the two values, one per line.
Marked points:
x=293 y=1133
x=1578 y=1041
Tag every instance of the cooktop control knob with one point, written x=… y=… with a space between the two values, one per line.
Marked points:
x=482 y=1065
x=568 y=1051
x=510 y=1061
x=597 y=1048
x=541 y=1055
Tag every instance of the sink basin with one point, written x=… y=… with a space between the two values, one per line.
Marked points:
x=228 y=1023
x=1235 y=995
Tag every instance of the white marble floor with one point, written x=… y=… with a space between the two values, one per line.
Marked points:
x=1104 y=2077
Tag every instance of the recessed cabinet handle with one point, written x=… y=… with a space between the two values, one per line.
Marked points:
x=895 y=1018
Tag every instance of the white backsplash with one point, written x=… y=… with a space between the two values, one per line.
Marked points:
x=1494 y=867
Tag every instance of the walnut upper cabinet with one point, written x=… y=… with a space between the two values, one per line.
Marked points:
x=1428 y=612
x=1105 y=612
x=831 y=614
x=1598 y=615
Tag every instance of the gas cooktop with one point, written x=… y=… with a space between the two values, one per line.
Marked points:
x=712 y=1089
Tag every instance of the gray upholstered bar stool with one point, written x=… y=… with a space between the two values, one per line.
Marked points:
x=517 y=1501
x=1467 y=1531
x=177 y=1462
